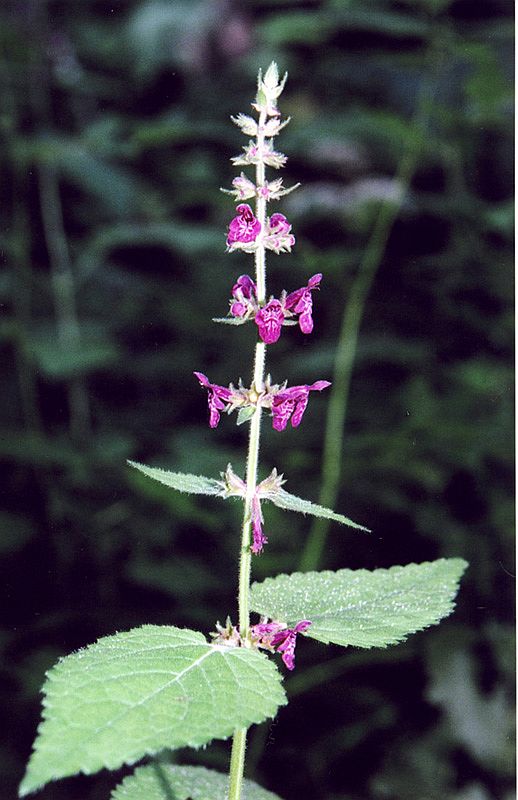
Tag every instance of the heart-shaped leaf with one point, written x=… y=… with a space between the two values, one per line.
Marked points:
x=137 y=692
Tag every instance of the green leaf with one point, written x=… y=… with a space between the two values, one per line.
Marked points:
x=181 y=481
x=137 y=692
x=245 y=414
x=362 y=608
x=167 y=781
x=292 y=503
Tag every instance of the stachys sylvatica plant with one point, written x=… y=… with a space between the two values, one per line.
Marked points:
x=137 y=693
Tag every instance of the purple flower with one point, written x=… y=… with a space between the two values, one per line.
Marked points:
x=279 y=224
x=257 y=527
x=244 y=228
x=284 y=642
x=276 y=636
x=244 y=286
x=292 y=403
x=278 y=237
x=244 y=292
x=269 y=321
x=300 y=302
x=219 y=398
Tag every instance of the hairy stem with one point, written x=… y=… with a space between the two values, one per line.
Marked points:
x=237 y=764
x=251 y=483
x=237 y=760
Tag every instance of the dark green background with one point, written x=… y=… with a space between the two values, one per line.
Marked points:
x=115 y=139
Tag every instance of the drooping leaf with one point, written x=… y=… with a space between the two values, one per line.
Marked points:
x=181 y=481
x=166 y=781
x=137 y=692
x=292 y=503
x=359 y=607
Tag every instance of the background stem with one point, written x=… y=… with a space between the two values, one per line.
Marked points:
x=347 y=343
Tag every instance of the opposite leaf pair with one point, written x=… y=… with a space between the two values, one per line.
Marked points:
x=135 y=693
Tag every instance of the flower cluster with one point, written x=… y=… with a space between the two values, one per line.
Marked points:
x=244 y=232
x=271 y=317
x=233 y=486
x=285 y=403
x=276 y=637
x=221 y=398
x=244 y=189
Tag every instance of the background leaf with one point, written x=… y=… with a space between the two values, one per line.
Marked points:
x=135 y=693
x=362 y=608
x=166 y=781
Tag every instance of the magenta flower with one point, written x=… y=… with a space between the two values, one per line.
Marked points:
x=219 y=398
x=276 y=636
x=292 y=402
x=257 y=527
x=245 y=228
x=284 y=642
x=269 y=321
x=278 y=237
x=276 y=313
x=244 y=293
x=301 y=302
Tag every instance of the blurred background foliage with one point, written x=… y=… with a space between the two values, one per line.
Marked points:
x=115 y=138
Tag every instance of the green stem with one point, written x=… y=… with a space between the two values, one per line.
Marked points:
x=63 y=290
x=237 y=759
x=237 y=764
x=252 y=463
x=348 y=339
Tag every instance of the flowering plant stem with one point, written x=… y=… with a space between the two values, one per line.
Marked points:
x=237 y=760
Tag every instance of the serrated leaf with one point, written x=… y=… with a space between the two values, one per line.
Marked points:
x=181 y=481
x=166 y=781
x=245 y=414
x=359 y=607
x=137 y=692
x=292 y=503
